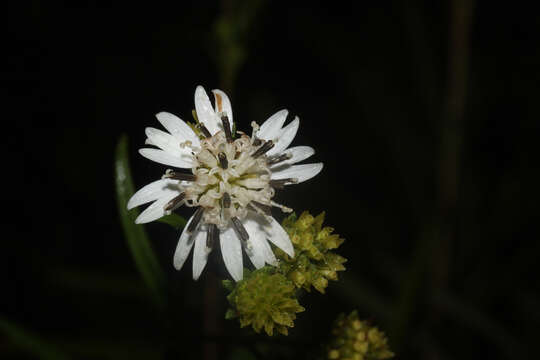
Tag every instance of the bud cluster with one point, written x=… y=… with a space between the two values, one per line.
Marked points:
x=267 y=297
x=357 y=340
x=263 y=299
x=313 y=264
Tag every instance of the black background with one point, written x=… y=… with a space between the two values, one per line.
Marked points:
x=442 y=254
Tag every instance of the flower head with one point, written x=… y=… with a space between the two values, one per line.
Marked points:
x=232 y=180
x=264 y=299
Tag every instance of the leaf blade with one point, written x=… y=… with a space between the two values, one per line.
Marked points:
x=174 y=220
x=136 y=237
x=29 y=342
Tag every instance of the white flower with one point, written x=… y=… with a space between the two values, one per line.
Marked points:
x=232 y=182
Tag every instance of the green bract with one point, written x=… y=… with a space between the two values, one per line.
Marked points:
x=263 y=299
x=357 y=340
x=314 y=264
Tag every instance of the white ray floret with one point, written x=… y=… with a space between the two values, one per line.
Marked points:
x=232 y=181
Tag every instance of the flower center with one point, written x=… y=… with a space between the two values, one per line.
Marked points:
x=230 y=176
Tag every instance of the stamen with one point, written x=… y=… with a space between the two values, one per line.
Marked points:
x=279 y=184
x=240 y=229
x=223 y=162
x=170 y=174
x=257 y=142
x=174 y=202
x=204 y=130
x=263 y=149
x=277 y=159
x=255 y=127
x=226 y=200
x=212 y=236
x=196 y=219
x=266 y=209
x=282 y=207
x=227 y=128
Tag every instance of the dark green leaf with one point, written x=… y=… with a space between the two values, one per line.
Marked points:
x=176 y=221
x=136 y=236
x=28 y=342
x=228 y=284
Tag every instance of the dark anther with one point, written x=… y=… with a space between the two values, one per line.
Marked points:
x=196 y=219
x=212 y=236
x=227 y=128
x=263 y=149
x=279 y=184
x=174 y=202
x=257 y=142
x=267 y=209
x=180 y=176
x=226 y=200
x=204 y=130
x=240 y=229
x=223 y=162
x=277 y=159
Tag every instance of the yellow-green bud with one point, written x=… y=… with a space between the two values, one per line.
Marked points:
x=297 y=277
x=333 y=354
x=357 y=339
x=320 y=284
x=314 y=264
x=264 y=299
x=305 y=221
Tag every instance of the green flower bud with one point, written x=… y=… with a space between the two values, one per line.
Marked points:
x=320 y=284
x=264 y=299
x=356 y=339
x=333 y=354
x=313 y=264
x=297 y=277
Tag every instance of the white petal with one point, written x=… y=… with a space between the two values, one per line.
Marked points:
x=205 y=112
x=270 y=129
x=298 y=153
x=166 y=142
x=162 y=157
x=301 y=172
x=200 y=253
x=155 y=210
x=178 y=128
x=231 y=249
x=261 y=251
x=286 y=137
x=184 y=247
x=256 y=238
x=269 y=256
x=153 y=191
x=280 y=238
x=223 y=104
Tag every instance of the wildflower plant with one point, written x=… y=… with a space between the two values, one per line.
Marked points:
x=230 y=179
